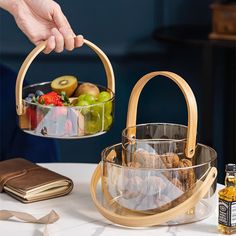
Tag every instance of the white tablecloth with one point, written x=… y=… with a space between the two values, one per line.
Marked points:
x=78 y=216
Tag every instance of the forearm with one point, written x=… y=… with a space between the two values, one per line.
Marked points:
x=9 y=5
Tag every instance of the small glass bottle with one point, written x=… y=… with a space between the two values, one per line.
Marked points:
x=227 y=202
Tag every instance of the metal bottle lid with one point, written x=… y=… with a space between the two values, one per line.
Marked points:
x=230 y=167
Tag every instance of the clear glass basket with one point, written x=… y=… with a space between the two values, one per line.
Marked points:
x=143 y=182
x=66 y=122
x=158 y=174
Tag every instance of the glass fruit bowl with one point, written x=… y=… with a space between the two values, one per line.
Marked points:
x=74 y=119
x=147 y=184
x=158 y=174
x=65 y=122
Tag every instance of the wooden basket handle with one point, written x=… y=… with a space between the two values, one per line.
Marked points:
x=190 y=100
x=155 y=219
x=39 y=48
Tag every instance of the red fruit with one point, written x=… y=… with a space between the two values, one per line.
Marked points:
x=34 y=116
x=51 y=98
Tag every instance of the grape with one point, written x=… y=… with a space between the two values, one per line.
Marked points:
x=104 y=96
x=90 y=99
x=82 y=103
x=93 y=122
x=107 y=121
x=98 y=107
x=108 y=107
x=31 y=95
x=91 y=127
x=81 y=97
x=28 y=99
x=38 y=93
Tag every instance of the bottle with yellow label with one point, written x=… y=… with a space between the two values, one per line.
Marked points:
x=227 y=202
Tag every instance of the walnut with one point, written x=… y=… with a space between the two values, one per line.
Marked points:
x=141 y=156
x=190 y=181
x=152 y=161
x=156 y=193
x=187 y=175
x=134 y=164
x=146 y=159
x=183 y=164
x=170 y=160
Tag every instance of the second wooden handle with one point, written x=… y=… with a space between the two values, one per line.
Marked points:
x=190 y=100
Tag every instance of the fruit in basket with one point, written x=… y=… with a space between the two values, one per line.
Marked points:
x=96 y=111
x=97 y=107
x=38 y=93
x=85 y=100
x=187 y=176
x=107 y=121
x=169 y=160
x=87 y=88
x=81 y=97
x=34 y=116
x=89 y=98
x=51 y=98
x=30 y=97
x=84 y=105
x=104 y=97
x=108 y=107
x=66 y=83
x=93 y=123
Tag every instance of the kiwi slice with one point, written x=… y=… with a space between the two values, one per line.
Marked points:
x=66 y=83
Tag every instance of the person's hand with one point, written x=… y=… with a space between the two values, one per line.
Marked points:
x=44 y=20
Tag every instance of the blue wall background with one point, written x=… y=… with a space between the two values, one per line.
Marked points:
x=123 y=29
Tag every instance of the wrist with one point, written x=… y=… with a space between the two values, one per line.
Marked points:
x=10 y=5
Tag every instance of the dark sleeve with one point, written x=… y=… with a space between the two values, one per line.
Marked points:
x=13 y=141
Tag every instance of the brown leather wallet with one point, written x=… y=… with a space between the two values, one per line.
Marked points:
x=29 y=182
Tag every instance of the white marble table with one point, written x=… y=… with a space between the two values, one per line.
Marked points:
x=78 y=215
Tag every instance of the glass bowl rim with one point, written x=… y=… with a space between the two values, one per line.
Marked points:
x=159 y=169
x=152 y=123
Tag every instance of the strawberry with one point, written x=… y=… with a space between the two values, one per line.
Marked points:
x=51 y=98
